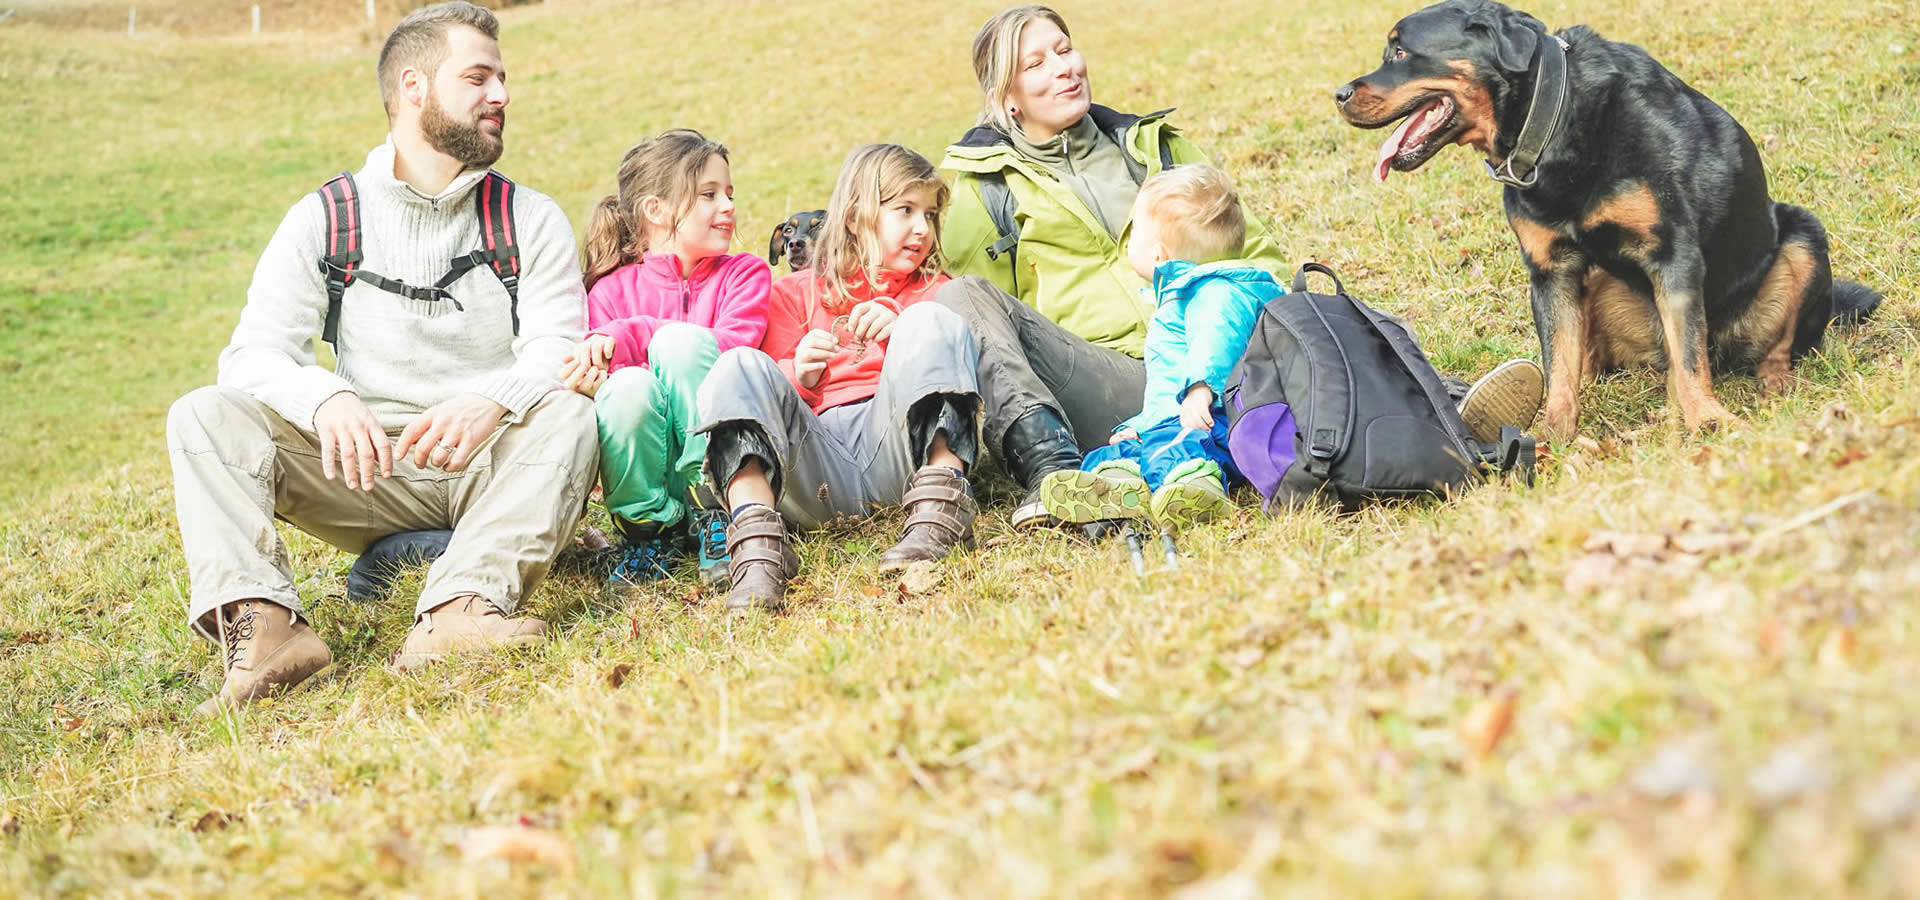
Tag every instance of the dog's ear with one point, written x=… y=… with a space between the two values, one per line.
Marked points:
x=777 y=247
x=1514 y=35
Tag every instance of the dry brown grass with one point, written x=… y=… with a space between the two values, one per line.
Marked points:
x=1677 y=666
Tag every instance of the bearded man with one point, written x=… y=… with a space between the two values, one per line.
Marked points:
x=443 y=410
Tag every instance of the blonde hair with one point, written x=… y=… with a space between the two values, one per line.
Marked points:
x=1197 y=210
x=848 y=250
x=419 y=42
x=667 y=167
x=996 y=58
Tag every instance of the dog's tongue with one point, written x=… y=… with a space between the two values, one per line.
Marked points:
x=1394 y=143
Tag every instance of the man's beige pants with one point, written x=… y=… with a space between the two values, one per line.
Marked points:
x=237 y=466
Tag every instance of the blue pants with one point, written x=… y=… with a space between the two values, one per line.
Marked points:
x=1167 y=451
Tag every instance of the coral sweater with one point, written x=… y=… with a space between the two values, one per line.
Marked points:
x=799 y=305
x=724 y=294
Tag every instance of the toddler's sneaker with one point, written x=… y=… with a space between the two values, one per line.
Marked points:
x=1508 y=396
x=1111 y=490
x=710 y=535
x=1194 y=500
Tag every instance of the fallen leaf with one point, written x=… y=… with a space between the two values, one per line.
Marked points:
x=873 y=590
x=1849 y=456
x=9 y=824
x=1703 y=455
x=1772 y=637
x=921 y=578
x=396 y=852
x=1836 y=649
x=30 y=637
x=594 y=539
x=1625 y=544
x=213 y=820
x=517 y=844
x=1709 y=544
x=1136 y=763
x=1487 y=723
x=617 y=676
x=1593 y=572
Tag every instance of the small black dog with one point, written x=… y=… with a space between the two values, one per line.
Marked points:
x=794 y=239
x=1640 y=205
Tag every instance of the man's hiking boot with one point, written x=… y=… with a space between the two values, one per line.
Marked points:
x=464 y=623
x=266 y=649
x=1194 y=500
x=710 y=535
x=1111 y=492
x=1508 y=396
x=940 y=514
x=762 y=560
x=1036 y=445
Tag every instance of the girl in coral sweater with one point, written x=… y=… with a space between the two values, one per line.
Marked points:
x=862 y=395
x=664 y=300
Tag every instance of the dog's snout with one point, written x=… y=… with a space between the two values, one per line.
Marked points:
x=1343 y=93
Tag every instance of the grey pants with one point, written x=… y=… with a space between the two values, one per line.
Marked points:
x=1027 y=362
x=238 y=466
x=851 y=459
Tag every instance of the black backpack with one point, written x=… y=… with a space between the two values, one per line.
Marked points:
x=492 y=201
x=1335 y=402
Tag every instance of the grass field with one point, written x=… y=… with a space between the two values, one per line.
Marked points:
x=1675 y=667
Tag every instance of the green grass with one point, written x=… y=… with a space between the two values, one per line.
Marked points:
x=1291 y=712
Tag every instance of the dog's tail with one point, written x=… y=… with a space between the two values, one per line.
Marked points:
x=1853 y=302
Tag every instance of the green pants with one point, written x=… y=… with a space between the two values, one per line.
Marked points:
x=648 y=459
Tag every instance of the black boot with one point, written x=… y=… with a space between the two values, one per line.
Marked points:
x=1036 y=444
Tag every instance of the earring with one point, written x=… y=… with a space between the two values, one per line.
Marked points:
x=1013 y=110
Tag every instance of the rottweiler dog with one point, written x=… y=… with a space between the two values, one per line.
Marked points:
x=1640 y=206
x=793 y=239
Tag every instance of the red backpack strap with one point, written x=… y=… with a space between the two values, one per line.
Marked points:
x=343 y=253
x=502 y=246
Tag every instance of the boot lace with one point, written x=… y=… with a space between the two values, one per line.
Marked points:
x=238 y=632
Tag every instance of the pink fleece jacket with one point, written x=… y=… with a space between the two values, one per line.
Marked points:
x=724 y=294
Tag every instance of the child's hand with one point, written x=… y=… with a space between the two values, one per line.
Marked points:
x=1196 y=408
x=869 y=321
x=598 y=348
x=1124 y=434
x=584 y=379
x=810 y=357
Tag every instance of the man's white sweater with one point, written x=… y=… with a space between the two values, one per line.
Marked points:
x=402 y=356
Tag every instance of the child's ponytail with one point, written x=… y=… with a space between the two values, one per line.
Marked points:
x=610 y=240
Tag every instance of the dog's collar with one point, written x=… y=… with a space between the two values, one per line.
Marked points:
x=1521 y=168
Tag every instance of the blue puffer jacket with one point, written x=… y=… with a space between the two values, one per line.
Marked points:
x=1201 y=323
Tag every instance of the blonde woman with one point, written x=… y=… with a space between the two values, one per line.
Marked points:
x=861 y=395
x=1061 y=343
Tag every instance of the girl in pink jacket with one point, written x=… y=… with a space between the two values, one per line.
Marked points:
x=664 y=299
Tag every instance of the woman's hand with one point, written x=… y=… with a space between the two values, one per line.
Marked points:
x=1124 y=434
x=870 y=321
x=811 y=354
x=1196 y=408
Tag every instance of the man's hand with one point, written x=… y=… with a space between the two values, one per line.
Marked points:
x=869 y=321
x=448 y=433
x=1124 y=434
x=811 y=354
x=345 y=425
x=1196 y=408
